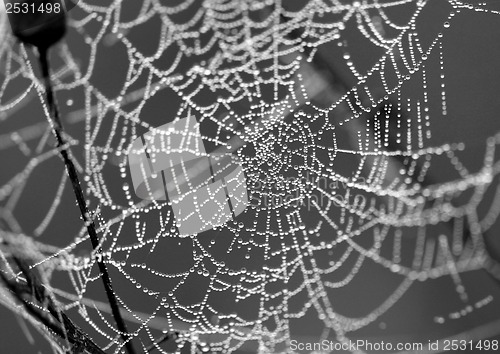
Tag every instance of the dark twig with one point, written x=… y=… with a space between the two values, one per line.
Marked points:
x=58 y=131
x=38 y=303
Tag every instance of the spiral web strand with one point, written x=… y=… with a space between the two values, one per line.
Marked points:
x=340 y=175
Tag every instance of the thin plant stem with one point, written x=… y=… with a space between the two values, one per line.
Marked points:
x=39 y=304
x=58 y=131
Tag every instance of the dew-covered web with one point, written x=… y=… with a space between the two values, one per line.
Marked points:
x=346 y=177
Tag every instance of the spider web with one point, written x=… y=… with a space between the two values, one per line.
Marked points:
x=344 y=176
